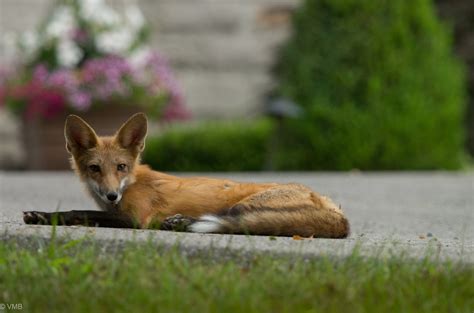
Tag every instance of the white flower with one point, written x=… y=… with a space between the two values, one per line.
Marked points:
x=88 y=8
x=116 y=41
x=92 y=4
x=134 y=17
x=97 y=11
x=68 y=53
x=139 y=56
x=62 y=23
x=29 y=41
x=13 y=45
x=9 y=45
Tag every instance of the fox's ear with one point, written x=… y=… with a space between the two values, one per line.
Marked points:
x=133 y=132
x=79 y=135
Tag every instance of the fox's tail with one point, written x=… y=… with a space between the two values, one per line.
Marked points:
x=305 y=221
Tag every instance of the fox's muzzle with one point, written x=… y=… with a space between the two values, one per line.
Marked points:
x=112 y=196
x=106 y=195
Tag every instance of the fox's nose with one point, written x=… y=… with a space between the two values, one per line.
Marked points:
x=112 y=196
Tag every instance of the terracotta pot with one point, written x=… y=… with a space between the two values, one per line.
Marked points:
x=44 y=142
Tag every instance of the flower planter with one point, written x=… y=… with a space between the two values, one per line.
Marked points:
x=45 y=146
x=82 y=61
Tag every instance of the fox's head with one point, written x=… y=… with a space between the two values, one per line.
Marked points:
x=106 y=164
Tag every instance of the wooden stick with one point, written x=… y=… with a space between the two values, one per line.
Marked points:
x=176 y=222
x=84 y=218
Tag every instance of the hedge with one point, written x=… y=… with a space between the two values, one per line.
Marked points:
x=235 y=146
x=379 y=86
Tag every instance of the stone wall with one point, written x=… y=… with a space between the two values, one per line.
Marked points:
x=221 y=50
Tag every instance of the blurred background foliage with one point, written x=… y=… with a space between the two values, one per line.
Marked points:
x=379 y=86
x=213 y=146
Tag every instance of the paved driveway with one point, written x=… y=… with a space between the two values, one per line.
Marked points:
x=410 y=211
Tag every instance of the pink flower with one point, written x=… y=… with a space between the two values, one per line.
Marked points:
x=162 y=79
x=41 y=101
x=64 y=79
x=40 y=73
x=111 y=79
x=80 y=101
x=176 y=111
x=80 y=36
x=107 y=77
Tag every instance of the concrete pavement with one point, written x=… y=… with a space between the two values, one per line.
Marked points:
x=389 y=213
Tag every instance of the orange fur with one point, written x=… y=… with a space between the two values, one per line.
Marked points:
x=148 y=196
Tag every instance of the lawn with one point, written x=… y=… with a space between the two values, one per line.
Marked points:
x=78 y=277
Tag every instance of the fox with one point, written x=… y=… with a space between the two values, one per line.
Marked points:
x=132 y=195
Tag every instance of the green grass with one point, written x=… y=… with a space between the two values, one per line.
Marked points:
x=79 y=278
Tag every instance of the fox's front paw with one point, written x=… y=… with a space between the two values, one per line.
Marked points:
x=34 y=217
x=177 y=222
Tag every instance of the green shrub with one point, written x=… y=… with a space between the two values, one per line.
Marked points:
x=379 y=86
x=236 y=146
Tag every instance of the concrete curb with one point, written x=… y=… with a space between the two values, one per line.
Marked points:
x=225 y=247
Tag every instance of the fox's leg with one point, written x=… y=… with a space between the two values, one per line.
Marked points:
x=85 y=218
x=177 y=222
x=284 y=210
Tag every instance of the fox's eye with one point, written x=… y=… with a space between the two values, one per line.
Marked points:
x=121 y=167
x=94 y=168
